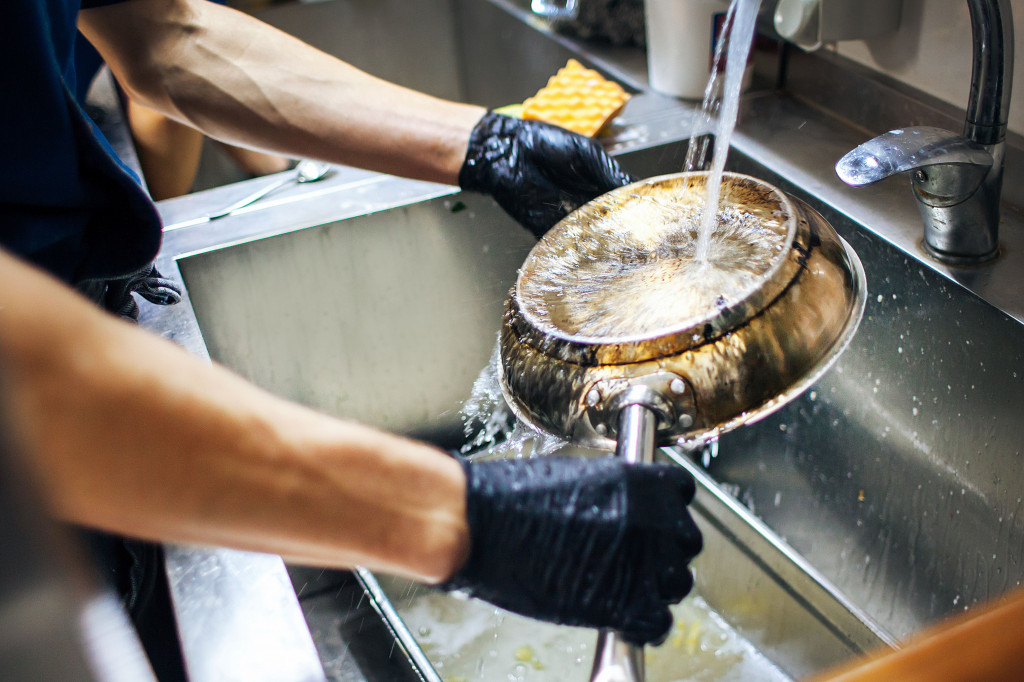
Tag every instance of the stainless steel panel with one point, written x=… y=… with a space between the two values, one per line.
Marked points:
x=767 y=591
x=410 y=43
x=238 y=617
x=385 y=318
x=899 y=475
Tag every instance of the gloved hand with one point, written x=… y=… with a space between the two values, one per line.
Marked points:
x=589 y=542
x=538 y=173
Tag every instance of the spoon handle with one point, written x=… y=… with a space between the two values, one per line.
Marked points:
x=255 y=196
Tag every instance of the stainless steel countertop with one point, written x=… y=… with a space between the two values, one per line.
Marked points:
x=238 y=613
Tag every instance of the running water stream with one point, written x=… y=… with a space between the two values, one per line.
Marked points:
x=721 y=109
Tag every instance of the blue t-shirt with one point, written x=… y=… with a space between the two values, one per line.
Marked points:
x=67 y=203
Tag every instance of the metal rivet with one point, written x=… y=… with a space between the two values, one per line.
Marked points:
x=593 y=397
x=601 y=429
x=685 y=420
x=678 y=386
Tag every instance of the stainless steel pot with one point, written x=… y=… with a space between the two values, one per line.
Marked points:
x=609 y=309
x=626 y=327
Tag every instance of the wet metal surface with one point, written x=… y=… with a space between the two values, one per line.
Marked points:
x=908 y=452
x=738 y=358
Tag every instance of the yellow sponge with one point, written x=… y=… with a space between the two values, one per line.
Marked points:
x=577 y=98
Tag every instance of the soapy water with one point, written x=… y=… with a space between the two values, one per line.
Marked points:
x=468 y=640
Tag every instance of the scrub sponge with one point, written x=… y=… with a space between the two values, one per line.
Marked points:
x=577 y=98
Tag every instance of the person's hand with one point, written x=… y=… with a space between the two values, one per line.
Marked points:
x=538 y=173
x=589 y=542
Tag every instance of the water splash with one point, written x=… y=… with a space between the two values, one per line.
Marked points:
x=490 y=427
x=608 y=282
x=486 y=418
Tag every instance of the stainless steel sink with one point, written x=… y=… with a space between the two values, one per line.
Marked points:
x=883 y=499
x=389 y=317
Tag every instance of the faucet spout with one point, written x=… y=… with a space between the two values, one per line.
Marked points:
x=907 y=149
x=957 y=179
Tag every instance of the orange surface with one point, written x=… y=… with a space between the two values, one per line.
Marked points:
x=983 y=645
x=577 y=98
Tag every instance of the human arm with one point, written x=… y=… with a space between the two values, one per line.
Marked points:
x=244 y=82
x=131 y=434
x=134 y=435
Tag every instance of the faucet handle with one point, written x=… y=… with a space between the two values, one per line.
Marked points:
x=915 y=148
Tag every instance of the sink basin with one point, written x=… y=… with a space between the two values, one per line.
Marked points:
x=870 y=506
x=300 y=313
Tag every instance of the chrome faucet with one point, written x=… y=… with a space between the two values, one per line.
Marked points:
x=957 y=179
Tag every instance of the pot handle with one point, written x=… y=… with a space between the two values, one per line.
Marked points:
x=614 y=659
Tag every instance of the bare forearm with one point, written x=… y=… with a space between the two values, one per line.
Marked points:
x=242 y=81
x=133 y=435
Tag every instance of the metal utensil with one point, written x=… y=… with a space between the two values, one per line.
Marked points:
x=617 y=336
x=305 y=171
x=615 y=660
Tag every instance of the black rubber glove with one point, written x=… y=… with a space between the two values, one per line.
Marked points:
x=538 y=173
x=589 y=542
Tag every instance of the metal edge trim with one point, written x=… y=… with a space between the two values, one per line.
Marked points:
x=396 y=625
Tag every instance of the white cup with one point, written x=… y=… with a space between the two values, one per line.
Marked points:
x=681 y=37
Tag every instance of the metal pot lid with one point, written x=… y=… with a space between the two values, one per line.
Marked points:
x=619 y=280
x=610 y=308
